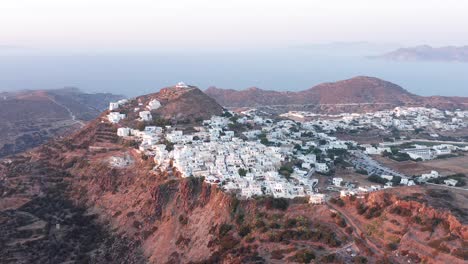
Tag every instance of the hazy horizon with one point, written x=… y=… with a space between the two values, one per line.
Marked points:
x=210 y=25
x=283 y=69
x=135 y=47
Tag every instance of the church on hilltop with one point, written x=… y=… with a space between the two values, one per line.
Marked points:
x=181 y=85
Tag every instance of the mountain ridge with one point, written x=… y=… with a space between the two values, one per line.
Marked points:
x=362 y=90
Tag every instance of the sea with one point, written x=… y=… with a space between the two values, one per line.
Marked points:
x=136 y=73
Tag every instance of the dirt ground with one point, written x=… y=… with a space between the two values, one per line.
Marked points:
x=458 y=164
x=353 y=177
x=443 y=166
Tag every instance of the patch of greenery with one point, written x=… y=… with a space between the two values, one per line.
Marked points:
x=242 y=172
x=377 y=179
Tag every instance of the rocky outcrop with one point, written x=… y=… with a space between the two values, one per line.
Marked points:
x=411 y=228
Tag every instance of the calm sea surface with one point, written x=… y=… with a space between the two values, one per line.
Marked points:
x=135 y=74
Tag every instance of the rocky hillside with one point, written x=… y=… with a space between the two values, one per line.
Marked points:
x=183 y=103
x=356 y=94
x=29 y=118
x=138 y=215
x=66 y=202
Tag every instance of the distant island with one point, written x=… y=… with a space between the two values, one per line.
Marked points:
x=427 y=53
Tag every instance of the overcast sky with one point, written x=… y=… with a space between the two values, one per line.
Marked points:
x=219 y=24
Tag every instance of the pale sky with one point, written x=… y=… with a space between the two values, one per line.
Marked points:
x=213 y=24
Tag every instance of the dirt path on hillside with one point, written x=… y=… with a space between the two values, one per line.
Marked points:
x=70 y=112
x=357 y=230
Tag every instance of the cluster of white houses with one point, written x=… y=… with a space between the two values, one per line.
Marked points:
x=144 y=113
x=250 y=163
x=417 y=151
x=400 y=118
x=247 y=167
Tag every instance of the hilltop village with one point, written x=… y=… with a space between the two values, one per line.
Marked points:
x=253 y=154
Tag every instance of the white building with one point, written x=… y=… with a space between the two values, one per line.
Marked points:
x=337 y=181
x=321 y=167
x=387 y=177
x=154 y=104
x=376 y=150
x=145 y=116
x=423 y=153
x=115 y=117
x=113 y=106
x=432 y=175
x=123 y=132
x=181 y=85
x=318 y=198
x=450 y=182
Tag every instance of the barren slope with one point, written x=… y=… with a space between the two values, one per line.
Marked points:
x=29 y=118
x=356 y=94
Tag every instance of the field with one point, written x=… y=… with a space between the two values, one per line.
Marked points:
x=457 y=165
x=443 y=166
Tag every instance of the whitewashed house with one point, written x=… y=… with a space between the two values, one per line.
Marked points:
x=115 y=117
x=145 y=116
x=337 y=181
x=123 y=132
x=450 y=182
x=432 y=175
x=387 y=177
x=113 y=106
x=321 y=167
x=154 y=104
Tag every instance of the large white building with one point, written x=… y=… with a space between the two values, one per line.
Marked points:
x=422 y=153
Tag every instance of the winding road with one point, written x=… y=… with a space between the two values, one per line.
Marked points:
x=70 y=113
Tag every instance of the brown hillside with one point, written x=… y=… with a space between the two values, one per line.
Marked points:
x=357 y=94
x=360 y=90
x=29 y=118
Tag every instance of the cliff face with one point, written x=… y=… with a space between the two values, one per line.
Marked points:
x=176 y=220
x=406 y=224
